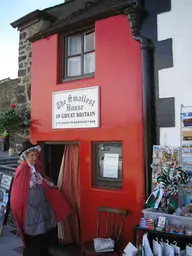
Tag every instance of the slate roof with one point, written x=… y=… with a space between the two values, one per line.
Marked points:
x=67 y=17
x=37 y=14
x=93 y=10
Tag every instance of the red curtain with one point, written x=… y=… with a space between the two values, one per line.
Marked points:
x=69 y=231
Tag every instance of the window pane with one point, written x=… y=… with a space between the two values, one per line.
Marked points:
x=89 y=63
x=89 y=41
x=74 y=45
x=107 y=169
x=74 y=66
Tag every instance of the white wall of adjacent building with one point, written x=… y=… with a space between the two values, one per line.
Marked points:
x=176 y=81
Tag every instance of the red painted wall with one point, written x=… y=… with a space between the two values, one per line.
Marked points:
x=118 y=73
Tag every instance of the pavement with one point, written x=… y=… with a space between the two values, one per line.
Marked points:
x=11 y=245
x=6 y=155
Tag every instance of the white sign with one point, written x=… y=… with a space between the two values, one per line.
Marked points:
x=110 y=168
x=78 y=108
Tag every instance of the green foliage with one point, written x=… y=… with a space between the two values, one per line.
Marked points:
x=16 y=119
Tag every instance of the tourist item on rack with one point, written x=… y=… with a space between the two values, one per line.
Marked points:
x=188 y=250
x=155 y=197
x=151 y=224
x=175 y=229
x=1 y=175
x=188 y=232
x=3 y=208
x=2 y=192
x=6 y=181
x=146 y=248
x=130 y=250
x=177 y=249
x=163 y=156
x=161 y=222
x=157 y=248
x=186 y=136
x=168 y=249
x=143 y=223
x=169 y=181
x=185 y=195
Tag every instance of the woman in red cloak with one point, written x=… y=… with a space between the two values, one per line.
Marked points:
x=37 y=205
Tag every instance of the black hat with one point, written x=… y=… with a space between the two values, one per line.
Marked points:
x=28 y=146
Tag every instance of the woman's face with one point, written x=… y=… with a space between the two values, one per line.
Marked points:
x=32 y=157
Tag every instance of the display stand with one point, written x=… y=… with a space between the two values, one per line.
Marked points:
x=5 y=187
x=159 y=234
x=186 y=136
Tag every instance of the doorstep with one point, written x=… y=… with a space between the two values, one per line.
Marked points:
x=67 y=250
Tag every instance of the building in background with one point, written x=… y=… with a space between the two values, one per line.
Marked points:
x=124 y=83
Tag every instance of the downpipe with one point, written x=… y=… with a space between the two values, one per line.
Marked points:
x=135 y=16
x=147 y=110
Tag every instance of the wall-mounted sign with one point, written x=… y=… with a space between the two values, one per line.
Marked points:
x=111 y=164
x=78 y=108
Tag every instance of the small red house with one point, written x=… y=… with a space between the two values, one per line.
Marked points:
x=87 y=91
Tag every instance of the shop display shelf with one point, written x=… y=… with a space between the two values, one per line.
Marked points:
x=172 y=219
x=156 y=233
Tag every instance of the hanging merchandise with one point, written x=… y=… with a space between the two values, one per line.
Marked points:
x=130 y=250
x=168 y=250
x=163 y=156
x=188 y=250
x=146 y=248
x=157 y=248
x=186 y=137
x=3 y=208
x=155 y=198
x=169 y=180
x=178 y=251
x=185 y=196
x=168 y=209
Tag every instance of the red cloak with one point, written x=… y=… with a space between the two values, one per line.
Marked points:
x=19 y=197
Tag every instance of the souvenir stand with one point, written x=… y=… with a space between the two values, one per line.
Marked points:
x=186 y=137
x=6 y=178
x=167 y=222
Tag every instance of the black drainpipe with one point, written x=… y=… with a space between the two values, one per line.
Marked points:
x=136 y=16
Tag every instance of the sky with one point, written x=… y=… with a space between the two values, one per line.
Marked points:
x=10 y=11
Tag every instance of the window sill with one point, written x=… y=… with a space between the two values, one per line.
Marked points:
x=72 y=79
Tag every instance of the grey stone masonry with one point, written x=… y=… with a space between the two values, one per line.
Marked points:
x=10 y=93
x=25 y=59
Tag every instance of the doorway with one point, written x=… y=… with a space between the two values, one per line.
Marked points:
x=61 y=163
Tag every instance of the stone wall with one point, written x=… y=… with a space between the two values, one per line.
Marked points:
x=9 y=93
x=24 y=72
x=25 y=58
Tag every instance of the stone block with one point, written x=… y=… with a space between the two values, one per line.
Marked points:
x=23 y=35
x=28 y=48
x=19 y=89
x=27 y=79
x=21 y=72
x=21 y=58
x=21 y=98
x=20 y=65
x=30 y=54
x=22 y=47
x=21 y=53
